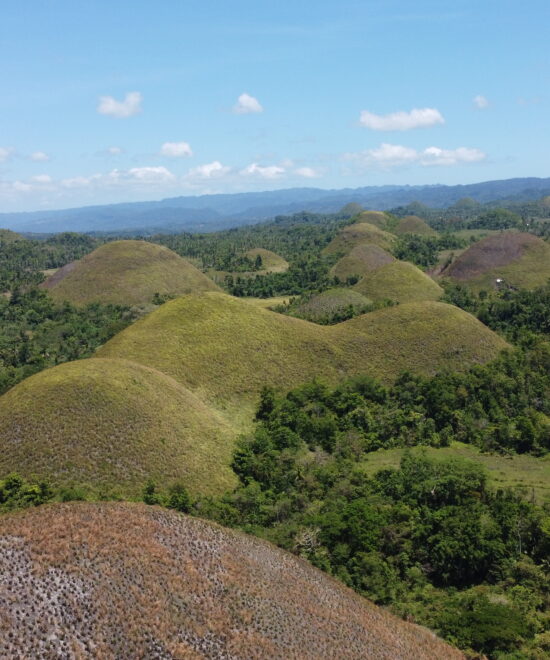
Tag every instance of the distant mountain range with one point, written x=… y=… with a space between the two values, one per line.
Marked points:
x=214 y=212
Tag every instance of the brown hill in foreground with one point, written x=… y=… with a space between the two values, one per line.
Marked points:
x=126 y=273
x=520 y=260
x=112 y=580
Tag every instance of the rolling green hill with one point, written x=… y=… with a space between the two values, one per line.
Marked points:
x=9 y=236
x=412 y=224
x=112 y=424
x=380 y=219
x=361 y=260
x=226 y=349
x=116 y=580
x=359 y=233
x=400 y=281
x=520 y=260
x=271 y=262
x=327 y=303
x=126 y=273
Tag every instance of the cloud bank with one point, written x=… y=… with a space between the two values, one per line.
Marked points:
x=401 y=121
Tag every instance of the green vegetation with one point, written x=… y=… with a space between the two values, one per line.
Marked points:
x=126 y=272
x=329 y=307
x=227 y=349
x=519 y=260
x=356 y=234
x=429 y=537
x=399 y=281
x=37 y=333
x=107 y=425
x=423 y=251
x=361 y=260
x=412 y=224
x=265 y=260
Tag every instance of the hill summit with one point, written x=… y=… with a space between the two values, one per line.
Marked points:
x=113 y=580
x=126 y=273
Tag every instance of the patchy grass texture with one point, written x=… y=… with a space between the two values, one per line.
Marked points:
x=112 y=580
x=400 y=281
x=412 y=224
x=521 y=260
x=126 y=273
x=330 y=302
x=361 y=260
x=359 y=233
x=110 y=425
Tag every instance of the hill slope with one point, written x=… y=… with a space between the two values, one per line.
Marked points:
x=271 y=262
x=227 y=349
x=400 y=281
x=359 y=234
x=332 y=301
x=71 y=574
x=361 y=260
x=126 y=273
x=412 y=224
x=112 y=423
x=521 y=260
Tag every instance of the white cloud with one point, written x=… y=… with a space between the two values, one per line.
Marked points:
x=481 y=102
x=401 y=121
x=114 y=151
x=437 y=156
x=20 y=186
x=5 y=154
x=76 y=182
x=42 y=178
x=209 y=170
x=247 y=104
x=307 y=172
x=176 y=149
x=39 y=156
x=269 y=172
x=149 y=174
x=120 y=109
x=387 y=156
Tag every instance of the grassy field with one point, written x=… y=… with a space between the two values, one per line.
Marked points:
x=126 y=273
x=522 y=471
x=359 y=234
x=226 y=349
x=400 y=281
x=412 y=224
x=361 y=260
x=521 y=260
x=109 y=425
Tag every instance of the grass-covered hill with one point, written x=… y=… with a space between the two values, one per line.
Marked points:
x=126 y=273
x=400 y=281
x=110 y=425
x=361 y=260
x=521 y=260
x=271 y=262
x=330 y=303
x=9 y=236
x=359 y=233
x=227 y=349
x=117 y=580
x=412 y=224
x=380 y=219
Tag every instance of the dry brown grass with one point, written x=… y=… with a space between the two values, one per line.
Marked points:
x=361 y=260
x=115 y=580
x=359 y=233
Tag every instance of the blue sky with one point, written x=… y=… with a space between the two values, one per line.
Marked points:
x=106 y=101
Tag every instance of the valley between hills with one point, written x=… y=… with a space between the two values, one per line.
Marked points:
x=369 y=391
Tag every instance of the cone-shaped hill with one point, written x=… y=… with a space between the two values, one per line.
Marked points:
x=112 y=423
x=359 y=233
x=520 y=260
x=126 y=273
x=271 y=262
x=361 y=260
x=412 y=224
x=380 y=219
x=332 y=301
x=400 y=281
x=119 y=580
x=227 y=349
x=9 y=236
